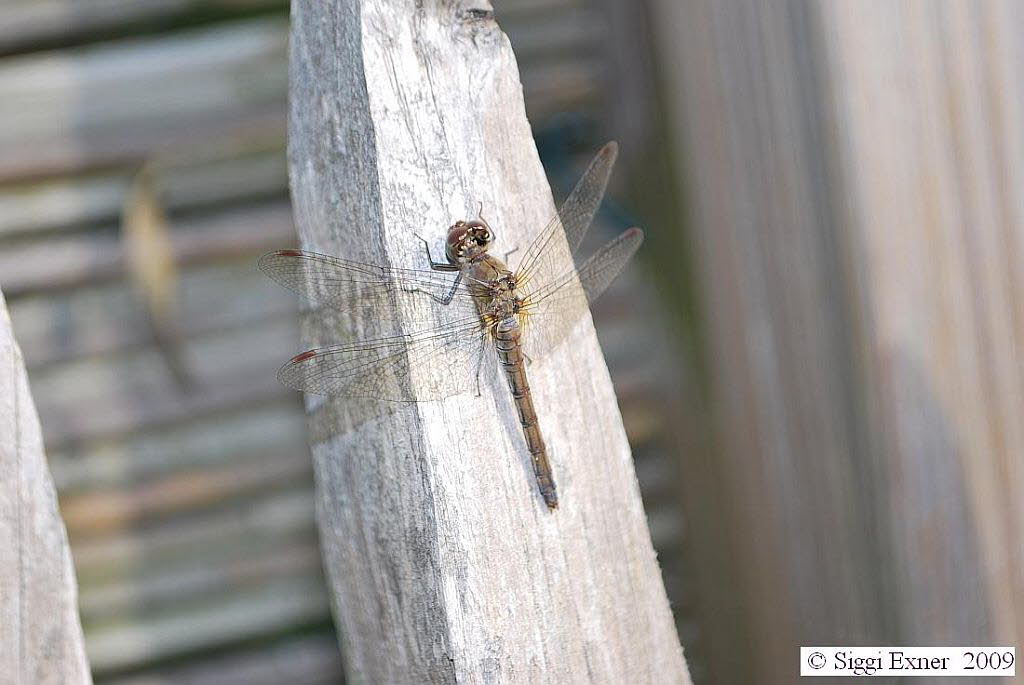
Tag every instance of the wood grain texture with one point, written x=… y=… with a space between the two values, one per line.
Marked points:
x=40 y=632
x=444 y=564
x=854 y=170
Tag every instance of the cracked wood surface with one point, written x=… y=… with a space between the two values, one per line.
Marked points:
x=443 y=562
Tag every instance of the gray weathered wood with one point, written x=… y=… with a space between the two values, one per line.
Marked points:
x=40 y=632
x=855 y=170
x=444 y=564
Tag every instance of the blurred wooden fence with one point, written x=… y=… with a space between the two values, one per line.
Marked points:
x=190 y=513
x=854 y=170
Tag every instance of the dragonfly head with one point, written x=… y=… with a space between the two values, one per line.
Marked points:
x=468 y=240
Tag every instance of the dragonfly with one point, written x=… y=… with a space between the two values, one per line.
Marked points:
x=521 y=314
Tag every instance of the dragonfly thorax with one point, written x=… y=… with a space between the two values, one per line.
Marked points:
x=505 y=286
x=504 y=307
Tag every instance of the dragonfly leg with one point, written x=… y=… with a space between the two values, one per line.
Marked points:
x=436 y=266
x=511 y=252
x=441 y=266
x=451 y=293
x=480 y=363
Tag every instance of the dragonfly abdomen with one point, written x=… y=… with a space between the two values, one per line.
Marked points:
x=510 y=354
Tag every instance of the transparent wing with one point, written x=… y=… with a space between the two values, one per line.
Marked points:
x=352 y=286
x=548 y=256
x=553 y=308
x=445 y=362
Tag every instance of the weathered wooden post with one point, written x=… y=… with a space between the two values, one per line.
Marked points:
x=40 y=633
x=444 y=564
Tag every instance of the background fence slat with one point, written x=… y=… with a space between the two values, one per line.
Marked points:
x=854 y=172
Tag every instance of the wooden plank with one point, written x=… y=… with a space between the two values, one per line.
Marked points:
x=247 y=390
x=161 y=95
x=59 y=327
x=140 y=596
x=854 y=176
x=236 y=172
x=131 y=100
x=40 y=630
x=158 y=578
x=71 y=261
x=92 y=398
x=444 y=564
x=274 y=608
x=29 y=24
x=201 y=441
x=210 y=68
x=104 y=511
x=308 y=660
x=230 y=532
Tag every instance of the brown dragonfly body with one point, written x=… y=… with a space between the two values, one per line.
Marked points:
x=502 y=309
x=527 y=311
